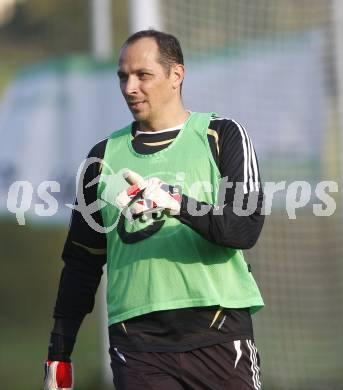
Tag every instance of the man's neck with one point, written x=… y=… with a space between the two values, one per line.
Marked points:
x=163 y=122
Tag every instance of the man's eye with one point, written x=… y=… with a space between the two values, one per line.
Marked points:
x=122 y=77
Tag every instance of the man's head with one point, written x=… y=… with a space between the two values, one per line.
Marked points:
x=151 y=72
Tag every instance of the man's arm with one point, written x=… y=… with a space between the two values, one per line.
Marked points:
x=237 y=163
x=84 y=255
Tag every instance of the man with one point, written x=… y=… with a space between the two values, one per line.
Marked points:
x=179 y=293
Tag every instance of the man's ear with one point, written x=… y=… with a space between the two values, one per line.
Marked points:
x=177 y=74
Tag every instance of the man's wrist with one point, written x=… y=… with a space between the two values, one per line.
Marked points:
x=60 y=348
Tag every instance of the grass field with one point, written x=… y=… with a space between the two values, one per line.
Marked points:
x=30 y=258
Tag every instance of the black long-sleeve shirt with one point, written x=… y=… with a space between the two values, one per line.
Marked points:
x=84 y=252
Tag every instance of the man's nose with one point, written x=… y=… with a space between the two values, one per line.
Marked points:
x=131 y=85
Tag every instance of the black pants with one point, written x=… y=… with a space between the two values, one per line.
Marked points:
x=231 y=366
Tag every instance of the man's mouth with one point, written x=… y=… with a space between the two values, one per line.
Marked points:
x=136 y=104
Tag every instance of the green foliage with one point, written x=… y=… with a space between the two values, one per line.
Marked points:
x=42 y=29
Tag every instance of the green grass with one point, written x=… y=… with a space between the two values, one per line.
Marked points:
x=30 y=259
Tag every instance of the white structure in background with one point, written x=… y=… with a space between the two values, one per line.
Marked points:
x=144 y=14
x=101 y=28
x=337 y=11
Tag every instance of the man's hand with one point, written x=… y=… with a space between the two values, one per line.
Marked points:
x=58 y=376
x=151 y=195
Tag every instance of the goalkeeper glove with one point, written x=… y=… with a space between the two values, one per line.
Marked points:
x=58 y=375
x=151 y=195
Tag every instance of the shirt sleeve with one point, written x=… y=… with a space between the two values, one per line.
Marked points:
x=84 y=255
x=236 y=220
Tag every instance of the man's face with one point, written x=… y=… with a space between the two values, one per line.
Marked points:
x=144 y=82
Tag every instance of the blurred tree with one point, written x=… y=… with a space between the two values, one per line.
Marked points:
x=58 y=27
x=39 y=29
